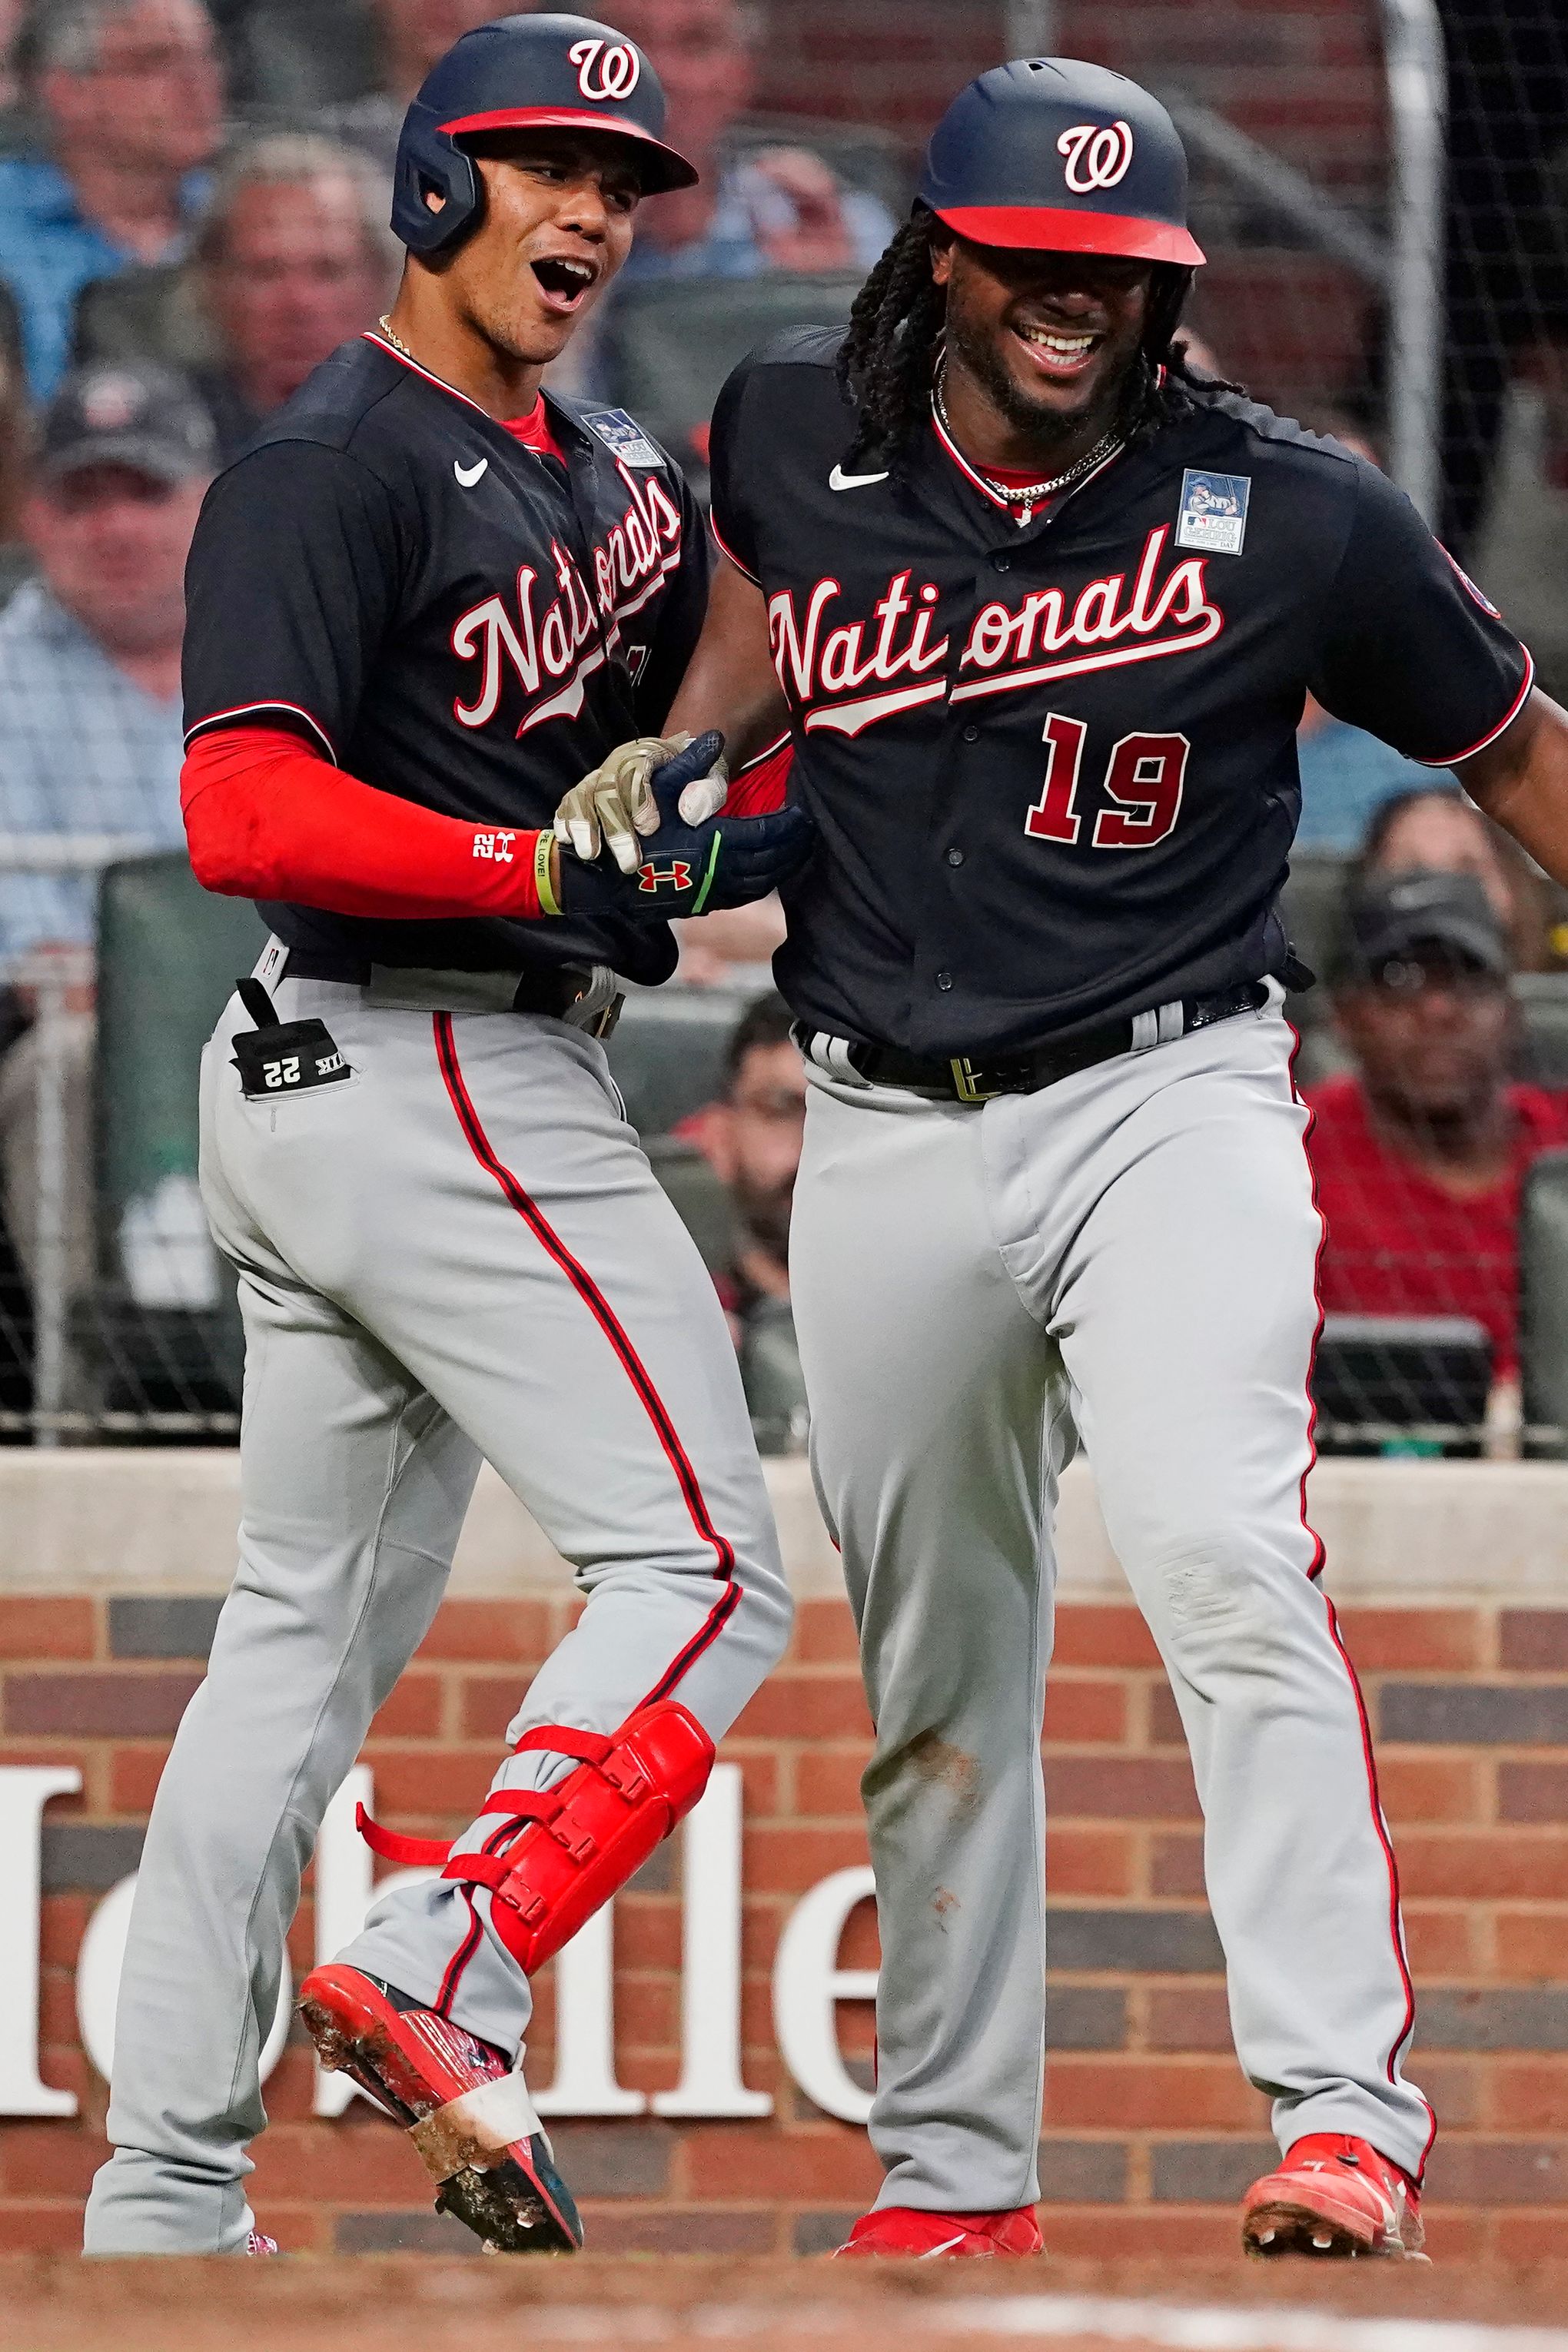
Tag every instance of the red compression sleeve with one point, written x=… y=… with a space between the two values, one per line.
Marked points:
x=266 y=818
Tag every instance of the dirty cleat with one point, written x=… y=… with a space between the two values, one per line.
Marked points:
x=259 y=2242
x=1334 y=2196
x=467 y=2111
x=900 y=2230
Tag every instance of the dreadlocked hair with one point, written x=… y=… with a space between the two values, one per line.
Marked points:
x=896 y=326
x=885 y=360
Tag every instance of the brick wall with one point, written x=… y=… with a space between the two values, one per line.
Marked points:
x=1146 y=2112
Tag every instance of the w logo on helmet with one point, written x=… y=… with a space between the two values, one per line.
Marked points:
x=676 y=875
x=1098 y=154
x=606 y=68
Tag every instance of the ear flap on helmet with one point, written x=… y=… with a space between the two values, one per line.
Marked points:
x=428 y=159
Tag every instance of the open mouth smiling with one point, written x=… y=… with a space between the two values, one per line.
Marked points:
x=563 y=283
x=1055 y=353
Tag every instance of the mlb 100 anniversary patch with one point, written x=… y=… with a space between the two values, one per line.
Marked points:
x=1213 y=516
x=623 y=435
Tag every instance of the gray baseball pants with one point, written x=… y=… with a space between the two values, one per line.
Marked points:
x=1124 y=1259
x=460 y=1253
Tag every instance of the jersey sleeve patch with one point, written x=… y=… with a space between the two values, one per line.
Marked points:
x=1213 y=515
x=622 y=435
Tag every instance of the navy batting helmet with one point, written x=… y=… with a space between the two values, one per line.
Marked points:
x=1053 y=154
x=544 y=73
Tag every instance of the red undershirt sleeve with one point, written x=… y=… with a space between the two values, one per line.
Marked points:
x=762 y=786
x=266 y=818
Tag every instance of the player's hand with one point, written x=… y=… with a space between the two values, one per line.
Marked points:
x=615 y=805
x=693 y=868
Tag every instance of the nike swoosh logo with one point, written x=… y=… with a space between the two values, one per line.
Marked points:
x=947 y=2244
x=470 y=475
x=839 y=480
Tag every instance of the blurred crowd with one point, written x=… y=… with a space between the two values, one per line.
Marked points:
x=193 y=215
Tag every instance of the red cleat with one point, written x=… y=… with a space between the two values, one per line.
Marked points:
x=1334 y=2196
x=467 y=2111
x=259 y=2242
x=900 y=2230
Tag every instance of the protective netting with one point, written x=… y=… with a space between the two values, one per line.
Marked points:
x=116 y=1318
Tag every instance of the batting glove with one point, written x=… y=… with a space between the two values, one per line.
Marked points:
x=696 y=867
x=615 y=805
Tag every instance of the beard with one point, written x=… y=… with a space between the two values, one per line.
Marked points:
x=764 y=1211
x=1048 y=428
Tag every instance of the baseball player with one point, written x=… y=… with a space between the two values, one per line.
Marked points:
x=1037 y=608
x=421 y=605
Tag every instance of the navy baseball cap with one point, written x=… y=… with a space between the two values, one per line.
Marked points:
x=1391 y=918
x=1061 y=156
x=130 y=412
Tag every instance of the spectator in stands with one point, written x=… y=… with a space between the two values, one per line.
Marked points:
x=778 y=207
x=89 y=703
x=410 y=35
x=1346 y=773
x=1435 y=829
x=1419 y=1153
x=131 y=100
x=751 y=1140
x=10 y=25
x=15 y=432
x=293 y=256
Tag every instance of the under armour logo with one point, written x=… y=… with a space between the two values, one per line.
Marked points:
x=1098 y=154
x=606 y=68
x=676 y=875
x=496 y=846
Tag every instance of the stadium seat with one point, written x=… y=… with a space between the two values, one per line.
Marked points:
x=1543 y=1306
x=669 y=344
x=169 y=955
x=1543 y=1000
x=289 y=58
x=667 y=1052
x=772 y=1380
x=699 y=1198
x=1311 y=904
x=145 y=313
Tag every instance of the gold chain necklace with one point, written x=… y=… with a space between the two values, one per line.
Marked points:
x=1028 y=499
x=394 y=338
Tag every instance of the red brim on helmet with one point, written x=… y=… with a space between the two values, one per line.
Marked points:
x=662 y=168
x=1062 y=229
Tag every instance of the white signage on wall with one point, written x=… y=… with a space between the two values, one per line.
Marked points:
x=808 y=1983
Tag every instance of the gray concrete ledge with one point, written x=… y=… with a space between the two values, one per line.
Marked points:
x=1421 y=1532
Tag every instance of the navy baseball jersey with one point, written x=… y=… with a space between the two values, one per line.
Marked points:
x=450 y=616
x=1055 y=766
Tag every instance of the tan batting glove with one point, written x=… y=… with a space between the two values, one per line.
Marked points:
x=614 y=807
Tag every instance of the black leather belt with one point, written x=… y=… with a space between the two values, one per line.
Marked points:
x=553 y=990
x=969 y=1080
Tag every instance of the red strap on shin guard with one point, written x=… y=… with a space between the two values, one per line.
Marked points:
x=392 y=1847
x=584 y=1838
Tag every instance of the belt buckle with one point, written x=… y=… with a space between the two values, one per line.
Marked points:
x=968 y=1083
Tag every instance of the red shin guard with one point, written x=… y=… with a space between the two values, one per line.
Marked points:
x=569 y=1848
